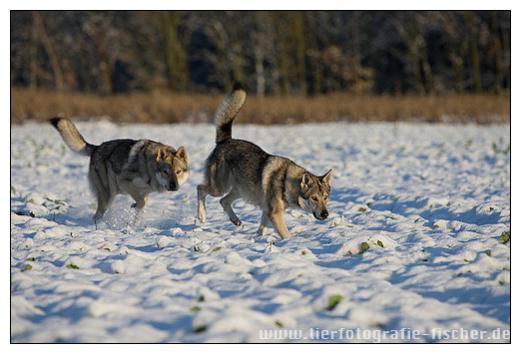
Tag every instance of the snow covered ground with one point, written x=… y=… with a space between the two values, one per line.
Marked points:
x=429 y=201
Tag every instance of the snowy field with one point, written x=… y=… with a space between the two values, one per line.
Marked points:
x=412 y=241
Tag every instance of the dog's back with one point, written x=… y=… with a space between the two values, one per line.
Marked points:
x=115 y=152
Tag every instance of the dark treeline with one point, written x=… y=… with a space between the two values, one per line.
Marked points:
x=296 y=52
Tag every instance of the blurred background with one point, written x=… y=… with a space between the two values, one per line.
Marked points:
x=297 y=66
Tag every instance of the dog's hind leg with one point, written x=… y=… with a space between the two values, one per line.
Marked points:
x=202 y=192
x=103 y=196
x=226 y=203
x=103 y=204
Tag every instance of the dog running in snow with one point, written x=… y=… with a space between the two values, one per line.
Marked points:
x=241 y=169
x=125 y=166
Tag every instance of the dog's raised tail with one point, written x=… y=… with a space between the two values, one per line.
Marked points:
x=227 y=111
x=72 y=136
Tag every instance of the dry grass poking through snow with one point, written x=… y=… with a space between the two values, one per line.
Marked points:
x=171 y=107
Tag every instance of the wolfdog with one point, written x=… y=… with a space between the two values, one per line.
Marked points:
x=241 y=169
x=125 y=166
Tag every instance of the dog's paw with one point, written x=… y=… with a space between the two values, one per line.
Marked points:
x=285 y=236
x=201 y=215
x=262 y=231
x=236 y=222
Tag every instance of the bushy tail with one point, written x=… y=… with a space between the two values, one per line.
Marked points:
x=72 y=136
x=227 y=111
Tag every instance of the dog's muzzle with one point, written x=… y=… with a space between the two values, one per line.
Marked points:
x=173 y=186
x=322 y=216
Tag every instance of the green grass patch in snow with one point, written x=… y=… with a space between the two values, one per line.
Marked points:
x=505 y=237
x=333 y=301
x=363 y=247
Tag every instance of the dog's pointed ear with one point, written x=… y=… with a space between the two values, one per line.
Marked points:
x=326 y=178
x=181 y=153
x=305 y=182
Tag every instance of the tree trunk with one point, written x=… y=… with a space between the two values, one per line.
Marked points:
x=475 y=70
x=300 y=52
x=282 y=54
x=33 y=55
x=48 y=46
x=175 y=58
x=355 y=50
x=259 y=71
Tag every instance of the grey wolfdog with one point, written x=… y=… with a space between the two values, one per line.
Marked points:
x=241 y=169
x=125 y=166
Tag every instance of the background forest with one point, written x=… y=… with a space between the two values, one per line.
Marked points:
x=166 y=66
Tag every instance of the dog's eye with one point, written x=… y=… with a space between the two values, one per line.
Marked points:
x=178 y=172
x=315 y=199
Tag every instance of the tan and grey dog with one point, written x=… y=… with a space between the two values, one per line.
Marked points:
x=241 y=169
x=125 y=166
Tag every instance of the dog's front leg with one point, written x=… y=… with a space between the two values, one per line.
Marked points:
x=140 y=197
x=277 y=219
x=140 y=202
x=265 y=221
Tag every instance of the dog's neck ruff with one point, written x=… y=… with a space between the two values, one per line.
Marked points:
x=135 y=150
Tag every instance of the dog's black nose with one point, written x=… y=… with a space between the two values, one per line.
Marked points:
x=324 y=214
x=173 y=186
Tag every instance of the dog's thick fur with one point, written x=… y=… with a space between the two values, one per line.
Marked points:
x=133 y=167
x=243 y=170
